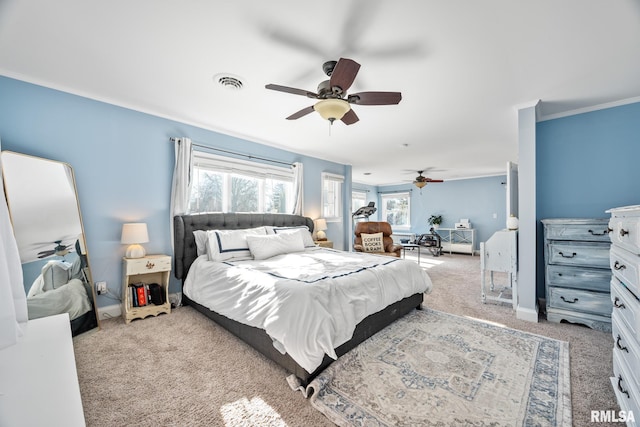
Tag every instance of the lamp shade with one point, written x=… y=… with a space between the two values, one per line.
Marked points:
x=133 y=234
x=321 y=224
x=332 y=109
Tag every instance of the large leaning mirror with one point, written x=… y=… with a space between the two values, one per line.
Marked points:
x=47 y=223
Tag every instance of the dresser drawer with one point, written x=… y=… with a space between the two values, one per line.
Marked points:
x=626 y=308
x=591 y=232
x=148 y=264
x=626 y=267
x=592 y=279
x=627 y=394
x=626 y=347
x=626 y=233
x=579 y=300
x=588 y=254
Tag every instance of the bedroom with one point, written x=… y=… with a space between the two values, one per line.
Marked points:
x=123 y=159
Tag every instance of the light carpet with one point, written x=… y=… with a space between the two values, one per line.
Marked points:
x=434 y=369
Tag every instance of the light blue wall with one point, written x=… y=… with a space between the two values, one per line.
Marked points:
x=477 y=199
x=586 y=164
x=123 y=163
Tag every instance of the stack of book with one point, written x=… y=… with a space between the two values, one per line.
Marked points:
x=140 y=295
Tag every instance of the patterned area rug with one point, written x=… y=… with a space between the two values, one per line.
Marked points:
x=435 y=369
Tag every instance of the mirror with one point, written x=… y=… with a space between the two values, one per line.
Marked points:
x=47 y=224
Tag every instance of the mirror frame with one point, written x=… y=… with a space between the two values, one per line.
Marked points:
x=82 y=244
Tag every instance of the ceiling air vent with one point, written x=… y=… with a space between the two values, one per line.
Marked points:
x=228 y=81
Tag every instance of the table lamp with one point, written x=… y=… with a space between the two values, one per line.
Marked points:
x=133 y=234
x=321 y=225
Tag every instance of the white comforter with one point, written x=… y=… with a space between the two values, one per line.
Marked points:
x=308 y=302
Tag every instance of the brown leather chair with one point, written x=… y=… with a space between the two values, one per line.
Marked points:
x=371 y=227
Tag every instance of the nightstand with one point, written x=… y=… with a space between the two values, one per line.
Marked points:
x=138 y=274
x=324 y=243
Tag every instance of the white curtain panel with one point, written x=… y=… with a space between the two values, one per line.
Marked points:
x=182 y=179
x=13 y=300
x=297 y=188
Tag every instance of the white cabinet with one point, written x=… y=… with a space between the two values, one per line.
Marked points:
x=38 y=377
x=577 y=274
x=624 y=262
x=500 y=253
x=460 y=240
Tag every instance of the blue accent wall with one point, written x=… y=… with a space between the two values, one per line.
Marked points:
x=123 y=163
x=478 y=199
x=586 y=164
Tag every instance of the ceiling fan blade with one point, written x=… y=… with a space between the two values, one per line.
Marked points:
x=350 y=117
x=344 y=73
x=434 y=180
x=292 y=90
x=45 y=254
x=301 y=113
x=375 y=98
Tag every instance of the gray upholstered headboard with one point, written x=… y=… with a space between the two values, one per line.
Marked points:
x=184 y=226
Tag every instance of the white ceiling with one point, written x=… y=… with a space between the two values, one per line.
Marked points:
x=463 y=67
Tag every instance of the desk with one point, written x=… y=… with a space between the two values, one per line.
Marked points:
x=411 y=246
x=457 y=239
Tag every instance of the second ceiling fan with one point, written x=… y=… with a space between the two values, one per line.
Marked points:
x=421 y=180
x=334 y=103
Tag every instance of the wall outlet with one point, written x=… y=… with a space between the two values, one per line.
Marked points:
x=101 y=288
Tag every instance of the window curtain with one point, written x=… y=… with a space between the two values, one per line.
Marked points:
x=297 y=188
x=13 y=300
x=182 y=179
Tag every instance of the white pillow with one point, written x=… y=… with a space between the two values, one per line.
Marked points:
x=224 y=245
x=307 y=239
x=372 y=242
x=201 y=241
x=263 y=247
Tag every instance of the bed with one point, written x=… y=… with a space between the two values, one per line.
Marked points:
x=186 y=257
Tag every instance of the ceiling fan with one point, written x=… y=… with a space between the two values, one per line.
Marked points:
x=58 y=250
x=334 y=102
x=421 y=180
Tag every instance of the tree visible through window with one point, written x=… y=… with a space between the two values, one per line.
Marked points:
x=396 y=209
x=229 y=185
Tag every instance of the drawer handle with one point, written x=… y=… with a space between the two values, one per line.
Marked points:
x=623 y=232
x=621 y=347
x=604 y=233
x=617 y=304
x=150 y=265
x=618 y=266
x=567 y=256
x=620 y=387
x=575 y=300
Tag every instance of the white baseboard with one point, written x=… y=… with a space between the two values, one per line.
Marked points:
x=528 y=314
x=115 y=310
x=109 y=311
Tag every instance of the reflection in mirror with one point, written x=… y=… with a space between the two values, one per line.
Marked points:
x=45 y=214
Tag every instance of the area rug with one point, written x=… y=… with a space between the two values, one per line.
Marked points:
x=436 y=369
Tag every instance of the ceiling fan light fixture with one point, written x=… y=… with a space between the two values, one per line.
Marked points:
x=420 y=184
x=332 y=109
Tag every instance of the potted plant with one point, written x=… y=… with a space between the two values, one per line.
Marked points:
x=435 y=221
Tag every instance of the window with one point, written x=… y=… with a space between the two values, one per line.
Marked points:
x=358 y=199
x=332 y=197
x=224 y=184
x=396 y=210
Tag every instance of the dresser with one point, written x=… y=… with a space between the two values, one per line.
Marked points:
x=577 y=273
x=625 y=291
